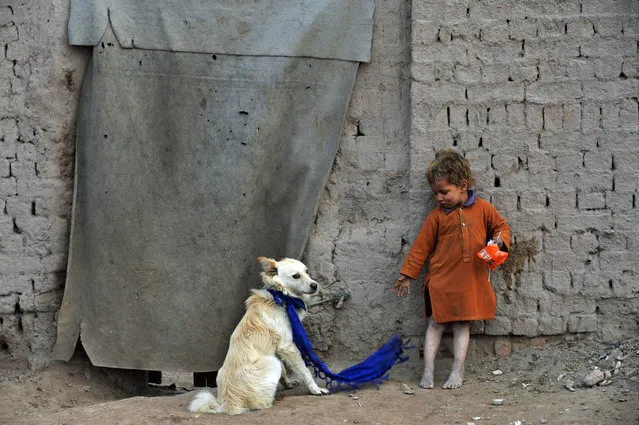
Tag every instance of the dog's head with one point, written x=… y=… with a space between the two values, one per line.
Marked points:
x=288 y=276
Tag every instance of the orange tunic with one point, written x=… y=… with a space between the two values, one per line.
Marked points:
x=457 y=280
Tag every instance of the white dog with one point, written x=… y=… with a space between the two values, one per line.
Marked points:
x=261 y=349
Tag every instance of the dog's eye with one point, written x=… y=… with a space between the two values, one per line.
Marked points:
x=296 y=276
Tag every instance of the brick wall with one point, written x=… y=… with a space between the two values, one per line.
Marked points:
x=541 y=96
x=38 y=93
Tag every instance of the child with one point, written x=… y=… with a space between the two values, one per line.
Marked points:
x=456 y=289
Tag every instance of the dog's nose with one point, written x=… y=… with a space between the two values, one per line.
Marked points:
x=313 y=286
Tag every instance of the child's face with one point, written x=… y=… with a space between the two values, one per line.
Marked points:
x=450 y=195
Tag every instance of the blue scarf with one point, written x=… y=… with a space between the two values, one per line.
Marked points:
x=373 y=370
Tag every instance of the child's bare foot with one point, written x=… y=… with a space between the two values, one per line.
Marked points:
x=456 y=377
x=427 y=380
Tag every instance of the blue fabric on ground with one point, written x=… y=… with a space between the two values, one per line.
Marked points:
x=373 y=370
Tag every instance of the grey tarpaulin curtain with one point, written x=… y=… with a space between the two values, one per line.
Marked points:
x=206 y=132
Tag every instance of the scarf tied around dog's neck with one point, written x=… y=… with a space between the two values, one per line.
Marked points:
x=373 y=370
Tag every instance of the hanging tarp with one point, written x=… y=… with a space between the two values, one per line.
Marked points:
x=190 y=163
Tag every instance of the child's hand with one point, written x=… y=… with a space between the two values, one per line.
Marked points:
x=497 y=240
x=402 y=286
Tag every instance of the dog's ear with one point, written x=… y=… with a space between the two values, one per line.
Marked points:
x=268 y=264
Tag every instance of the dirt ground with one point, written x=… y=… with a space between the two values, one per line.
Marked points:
x=540 y=383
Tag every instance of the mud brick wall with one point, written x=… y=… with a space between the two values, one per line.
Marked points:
x=541 y=96
x=38 y=94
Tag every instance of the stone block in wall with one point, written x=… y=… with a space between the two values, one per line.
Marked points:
x=520 y=71
x=505 y=164
x=610 y=90
x=590 y=115
x=617 y=260
x=34 y=227
x=552 y=325
x=18 y=284
x=622 y=114
x=38 y=337
x=551 y=27
x=12 y=264
x=533 y=201
x=630 y=67
x=431 y=117
x=495 y=30
x=505 y=201
x=600 y=160
x=618 y=140
x=450 y=11
x=580 y=27
x=525 y=326
x=582 y=323
x=45 y=302
x=48 y=282
x=8 y=303
x=526 y=222
x=489 y=93
x=587 y=181
x=608 y=68
x=522 y=28
x=9 y=130
x=598 y=219
x=500 y=325
x=438 y=93
x=440 y=52
x=626 y=181
x=470 y=142
x=5 y=169
x=584 y=242
x=430 y=72
x=8 y=187
x=496 y=115
x=27 y=152
x=620 y=201
x=18 y=207
x=8 y=34
x=467 y=73
x=571 y=116
x=502 y=53
x=424 y=31
x=553 y=117
x=591 y=201
x=516 y=115
x=597 y=285
x=532 y=288
x=580 y=69
x=54 y=263
x=562 y=200
x=550 y=92
x=558 y=282
x=602 y=48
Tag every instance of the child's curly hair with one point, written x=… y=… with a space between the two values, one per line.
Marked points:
x=451 y=166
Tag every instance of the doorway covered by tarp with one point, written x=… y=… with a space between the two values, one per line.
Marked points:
x=206 y=133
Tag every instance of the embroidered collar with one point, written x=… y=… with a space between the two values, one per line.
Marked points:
x=472 y=197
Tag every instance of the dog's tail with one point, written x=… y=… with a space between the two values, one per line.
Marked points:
x=204 y=402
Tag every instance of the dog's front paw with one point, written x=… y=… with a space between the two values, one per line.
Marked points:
x=317 y=390
x=291 y=383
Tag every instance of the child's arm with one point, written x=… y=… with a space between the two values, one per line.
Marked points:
x=422 y=248
x=498 y=229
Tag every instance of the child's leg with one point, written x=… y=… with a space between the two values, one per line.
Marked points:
x=431 y=344
x=461 y=338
